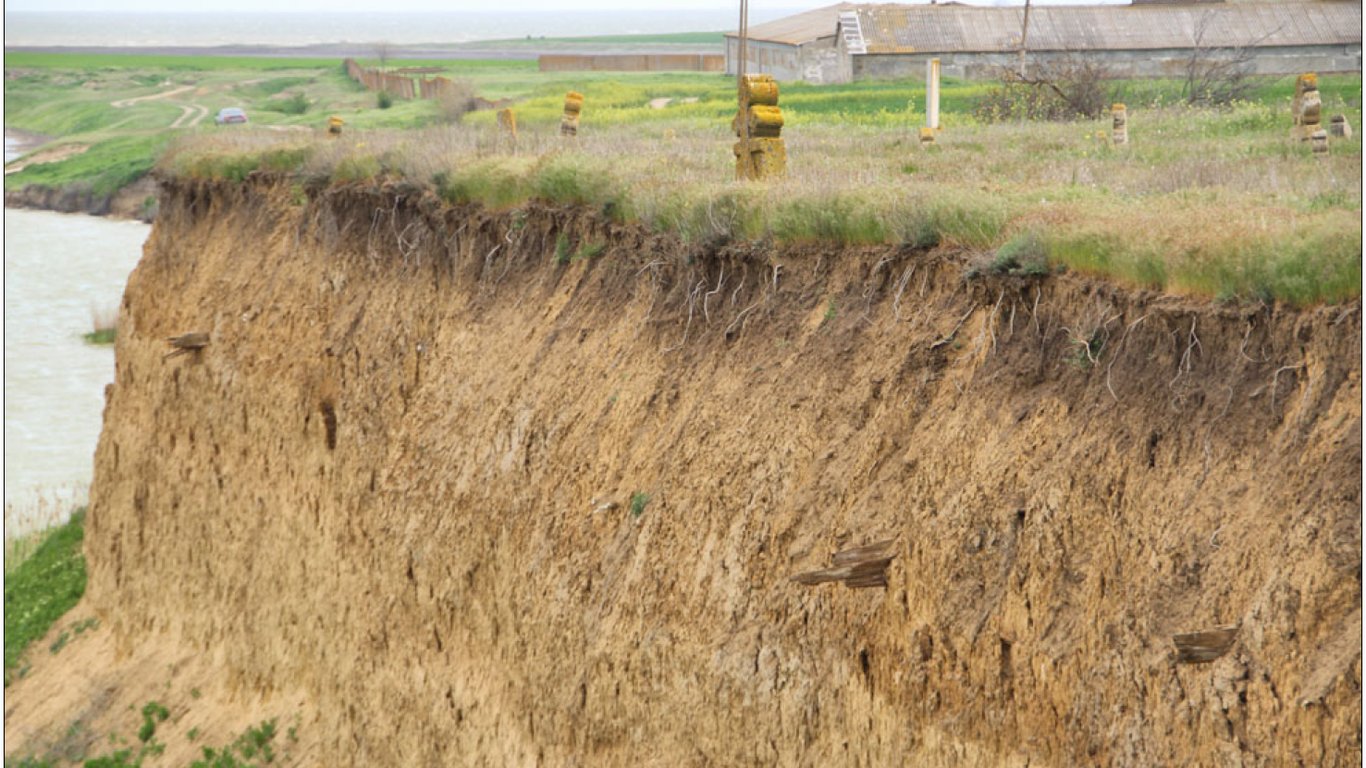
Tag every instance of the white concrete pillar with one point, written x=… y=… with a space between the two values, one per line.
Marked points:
x=932 y=94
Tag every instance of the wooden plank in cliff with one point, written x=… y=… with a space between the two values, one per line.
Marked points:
x=186 y=342
x=1204 y=646
x=859 y=567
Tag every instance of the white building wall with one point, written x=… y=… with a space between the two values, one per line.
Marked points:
x=819 y=61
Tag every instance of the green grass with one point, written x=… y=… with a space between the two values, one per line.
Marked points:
x=256 y=743
x=254 y=747
x=43 y=588
x=562 y=249
x=1285 y=225
x=139 y=61
x=104 y=168
x=638 y=501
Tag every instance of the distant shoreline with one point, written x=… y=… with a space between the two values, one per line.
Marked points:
x=490 y=49
x=22 y=142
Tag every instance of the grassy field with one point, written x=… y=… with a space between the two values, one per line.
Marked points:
x=1205 y=201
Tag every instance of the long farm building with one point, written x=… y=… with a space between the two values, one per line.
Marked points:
x=848 y=41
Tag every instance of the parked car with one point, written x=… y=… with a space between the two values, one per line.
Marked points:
x=228 y=115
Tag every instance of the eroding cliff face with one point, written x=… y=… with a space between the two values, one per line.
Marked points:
x=135 y=201
x=400 y=478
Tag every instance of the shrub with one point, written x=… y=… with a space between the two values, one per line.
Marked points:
x=357 y=168
x=588 y=251
x=456 y=100
x=295 y=105
x=496 y=183
x=638 y=501
x=254 y=742
x=1022 y=255
x=1216 y=76
x=383 y=100
x=1066 y=88
x=152 y=713
x=570 y=181
x=105 y=326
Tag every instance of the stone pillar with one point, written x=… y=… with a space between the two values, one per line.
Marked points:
x=1318 y=142
x=507 y=122
x=1306 y=106
x=760 y=152
x=1119 y=131
x=1339 y=128
x=573 y=105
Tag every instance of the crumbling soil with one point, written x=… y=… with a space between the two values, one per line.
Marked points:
x=135 y=201
x=395 y=492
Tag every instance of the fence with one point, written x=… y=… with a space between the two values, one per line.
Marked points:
x=398 y=86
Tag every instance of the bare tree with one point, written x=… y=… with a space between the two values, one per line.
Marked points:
x=1064 y=86
x=1217 y=75
x=384 y=50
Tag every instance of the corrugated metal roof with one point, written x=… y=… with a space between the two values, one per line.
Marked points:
x=960 y=28
x=801 y=28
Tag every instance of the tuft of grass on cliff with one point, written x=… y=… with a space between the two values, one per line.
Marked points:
x=46 y=585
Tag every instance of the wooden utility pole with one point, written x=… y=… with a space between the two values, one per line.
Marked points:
x=1024 y=39
x=740 y=69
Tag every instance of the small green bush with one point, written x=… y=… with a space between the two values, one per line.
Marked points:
x=152 y=713
x=254 y=742
x=1022 y=255
x=570 y=181
x=295 y=105
x=287 y=160
x=587 y=251
x=101 y=336
x=357 y=169
x=638 y=501
x=383 y=100
x=495 y=183
x=123 y=758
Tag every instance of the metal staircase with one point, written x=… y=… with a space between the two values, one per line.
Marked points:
x=852 y=32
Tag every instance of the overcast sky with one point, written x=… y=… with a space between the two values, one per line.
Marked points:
x=383 y=6
x=757 y=9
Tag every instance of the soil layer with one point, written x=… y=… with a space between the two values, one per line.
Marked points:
x=460 y=501
x=135 y=201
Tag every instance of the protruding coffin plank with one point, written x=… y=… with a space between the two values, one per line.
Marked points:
x=1206 y=646
x=864 y=566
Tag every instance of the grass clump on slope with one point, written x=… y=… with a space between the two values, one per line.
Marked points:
x=43 y=587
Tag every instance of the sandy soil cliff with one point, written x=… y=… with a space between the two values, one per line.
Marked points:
x=396 y=490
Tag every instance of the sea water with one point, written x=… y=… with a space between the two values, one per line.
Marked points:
x=60 y=269
x=293 y=29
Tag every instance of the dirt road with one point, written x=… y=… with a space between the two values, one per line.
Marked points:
x=190 y=115
x=121 y=103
